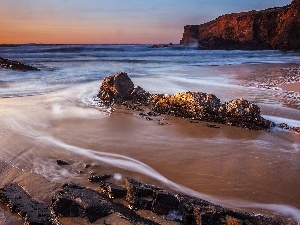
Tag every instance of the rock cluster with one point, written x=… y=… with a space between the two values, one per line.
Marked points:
x=120 y=89
x=14 y=65
x=74 y=200
x=276 y=28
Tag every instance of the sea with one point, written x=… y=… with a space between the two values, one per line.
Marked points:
x=56 y=108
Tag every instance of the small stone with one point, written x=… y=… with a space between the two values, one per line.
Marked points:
x=62 y=162
x=95 y=179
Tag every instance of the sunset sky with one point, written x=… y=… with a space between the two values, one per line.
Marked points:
x=111 y=21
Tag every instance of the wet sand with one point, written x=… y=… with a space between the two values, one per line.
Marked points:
x=291 y=87
x=248 y=170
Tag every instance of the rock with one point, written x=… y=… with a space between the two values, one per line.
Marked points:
x=164 y=202
x=98 y=178
x=116 y=88
x=233 y=221
x=196 y=105
x=241 y=112
x=14 y=65
x=32 y=211
x=62 y=162
x=276 y=28
x=139 y=194
x=139 y=95
x=197 y=211
x=119 y=89
x=162 y=46
x=77 y=201
x=284 y=126
x=112 y=190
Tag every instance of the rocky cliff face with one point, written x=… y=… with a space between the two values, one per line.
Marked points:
x=276 y=28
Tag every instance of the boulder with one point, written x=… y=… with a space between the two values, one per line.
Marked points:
x=241 y=112
x=116 y=88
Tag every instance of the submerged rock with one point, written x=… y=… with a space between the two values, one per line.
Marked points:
x=32 y=211
x=14 y=65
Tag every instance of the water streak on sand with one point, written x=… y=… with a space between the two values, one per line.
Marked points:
x=134 y=165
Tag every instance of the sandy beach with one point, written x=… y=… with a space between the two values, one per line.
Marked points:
x=228 y=165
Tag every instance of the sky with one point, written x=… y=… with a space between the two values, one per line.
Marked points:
x=111 y=21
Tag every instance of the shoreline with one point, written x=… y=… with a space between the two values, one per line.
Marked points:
x=124 y=132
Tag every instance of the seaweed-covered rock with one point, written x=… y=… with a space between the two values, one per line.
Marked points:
x=196 y=105
x=241 y=112
x=139 y=95
x=78 y=201
x=21 y=202
x=119 y=89
x=14 y=65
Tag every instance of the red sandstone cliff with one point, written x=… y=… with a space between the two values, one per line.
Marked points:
x=276 y=28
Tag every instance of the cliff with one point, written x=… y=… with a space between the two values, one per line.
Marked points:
x=276 y=28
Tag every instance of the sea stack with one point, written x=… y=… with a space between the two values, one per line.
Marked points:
x=270 y=29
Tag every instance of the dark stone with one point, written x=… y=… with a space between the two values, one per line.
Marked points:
x=131 y=216
x=164 y=202
x=197 y=211
x=284 y=126
x=14 y=65
x=77 y=201
x=139 y=194
x=99 y=178
x=62 y=162
x=139 y=95
x=32 y=211
x=112 y=190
